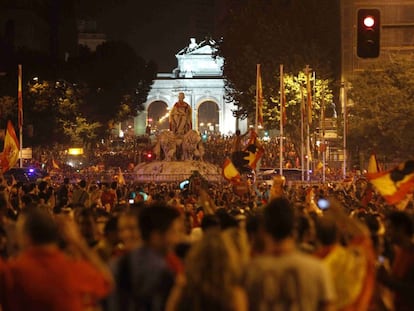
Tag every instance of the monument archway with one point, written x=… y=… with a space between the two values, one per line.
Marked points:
x=157 y=115
x=208 y=117
x=199 y=75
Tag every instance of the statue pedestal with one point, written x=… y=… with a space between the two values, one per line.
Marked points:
x=176 y=171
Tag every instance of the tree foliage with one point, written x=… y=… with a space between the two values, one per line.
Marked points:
x=87 y=93
x=296 y=96
x=118 y=81
x=293 y=33
x=381 y=118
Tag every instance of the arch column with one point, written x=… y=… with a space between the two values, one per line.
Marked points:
x=140 y=123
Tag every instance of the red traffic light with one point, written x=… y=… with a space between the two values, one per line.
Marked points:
x=368 y=33
x=369 y=21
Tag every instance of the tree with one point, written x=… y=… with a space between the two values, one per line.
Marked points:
x=293 y=33
x=55 y=103
x=118 y=82
x=295 y=92
x=381 y=117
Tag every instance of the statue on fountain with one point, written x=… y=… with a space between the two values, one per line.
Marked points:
x=181 y=116
x=181 y=141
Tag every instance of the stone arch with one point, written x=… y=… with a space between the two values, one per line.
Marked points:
x=208 y=116
x=157 y=115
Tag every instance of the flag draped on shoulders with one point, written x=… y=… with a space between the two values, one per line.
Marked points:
x=11 y=149
x=394 y=184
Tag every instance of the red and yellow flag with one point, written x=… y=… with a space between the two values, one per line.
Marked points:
x=20 y=98
x=230 y=172
x=254 y=149
x=373 y=164
x=11 y=149
x=282 y=98
x=394 y=184
x=309 y=95
x=259 y=96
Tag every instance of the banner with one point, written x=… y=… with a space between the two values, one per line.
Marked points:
x=11 y=149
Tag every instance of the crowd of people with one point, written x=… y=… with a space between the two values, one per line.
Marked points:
x=106 y=246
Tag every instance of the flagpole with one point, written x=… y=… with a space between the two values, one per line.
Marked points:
x=344 y=99
x=323 y=138
x=20 y=113
x=309 y=120
x=281 y=120
x=256 y=125
x=302 y=143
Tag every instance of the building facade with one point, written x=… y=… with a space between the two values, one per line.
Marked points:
x=200 y=76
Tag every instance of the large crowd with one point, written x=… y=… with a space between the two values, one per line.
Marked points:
x=110 y=246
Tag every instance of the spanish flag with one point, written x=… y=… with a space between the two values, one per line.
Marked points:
x=11 y=149
x=283 y=116
x=20 y=97
x=259 y=96
x=230 y=172
x=254 y=149
x=373 y=164
x=309 y=96
x=394 y=184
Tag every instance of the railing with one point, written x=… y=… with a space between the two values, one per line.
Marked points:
x=173 y=177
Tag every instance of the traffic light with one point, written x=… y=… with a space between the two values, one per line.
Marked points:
x=149 y=156
x=368 y=37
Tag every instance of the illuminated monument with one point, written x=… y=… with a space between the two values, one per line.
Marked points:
x=200 y=76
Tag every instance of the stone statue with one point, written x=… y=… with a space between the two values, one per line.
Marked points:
x=192 y=146
x=181 y=116
x=181 y=141
x=166 y=146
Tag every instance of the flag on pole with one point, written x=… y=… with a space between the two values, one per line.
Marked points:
x=259 y=96
x=309 y=95
x=373 y=164
x=302 y=104
x=282 y=97
x=230 y=172
x=394 y=184
x=20 y=98
x=11 y=149
x=254 y=149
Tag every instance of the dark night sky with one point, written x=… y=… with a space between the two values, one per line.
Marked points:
x=158 y=29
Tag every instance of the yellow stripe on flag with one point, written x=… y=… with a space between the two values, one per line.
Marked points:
x=395 y=184
x=11 y=148
x=230 y=172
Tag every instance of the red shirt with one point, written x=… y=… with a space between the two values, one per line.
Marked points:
x=48 y=280
x=402 y=268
